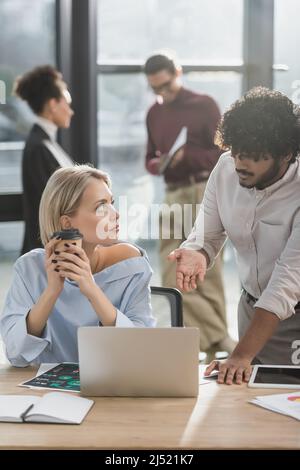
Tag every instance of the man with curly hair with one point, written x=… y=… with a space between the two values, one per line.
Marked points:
x=252 y=197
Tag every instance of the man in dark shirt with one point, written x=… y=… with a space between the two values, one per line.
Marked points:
x=185 y=177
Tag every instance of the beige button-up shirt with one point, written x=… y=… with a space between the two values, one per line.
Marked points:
x=264 y=227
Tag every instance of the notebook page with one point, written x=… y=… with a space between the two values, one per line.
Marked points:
x=62 y=406
x=12 y=406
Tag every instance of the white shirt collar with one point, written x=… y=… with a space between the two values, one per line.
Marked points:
x=48 y=126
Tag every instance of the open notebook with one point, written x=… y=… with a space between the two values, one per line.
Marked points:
x=53 y=407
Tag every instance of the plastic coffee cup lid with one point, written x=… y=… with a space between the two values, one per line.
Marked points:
x=68 y=234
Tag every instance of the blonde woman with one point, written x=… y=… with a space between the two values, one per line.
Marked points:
x=53 y=291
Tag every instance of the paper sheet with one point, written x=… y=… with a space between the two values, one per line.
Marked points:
x=179 y=142
x=63 y=376
x=284 y=403
x=44 y=367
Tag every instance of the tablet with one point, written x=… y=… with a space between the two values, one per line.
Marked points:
x=275 y=376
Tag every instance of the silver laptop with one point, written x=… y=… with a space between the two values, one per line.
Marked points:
x=142 y=362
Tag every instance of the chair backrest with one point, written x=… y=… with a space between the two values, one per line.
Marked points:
x=169 y=310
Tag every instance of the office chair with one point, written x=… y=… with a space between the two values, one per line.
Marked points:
x=171 y=300
x=169 y=311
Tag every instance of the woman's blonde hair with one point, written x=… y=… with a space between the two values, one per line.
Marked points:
x=62 y=196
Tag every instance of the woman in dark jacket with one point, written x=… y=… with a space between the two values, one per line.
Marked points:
x=47 y=95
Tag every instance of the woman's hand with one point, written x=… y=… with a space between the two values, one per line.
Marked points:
x=75 y=265
x=55 y=281
x=236 y=367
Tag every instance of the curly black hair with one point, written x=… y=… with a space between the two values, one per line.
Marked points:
x=262 y=122
x=38 y=86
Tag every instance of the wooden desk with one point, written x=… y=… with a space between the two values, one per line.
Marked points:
x=220 y=418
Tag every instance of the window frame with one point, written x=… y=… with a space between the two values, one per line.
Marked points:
x=76 y=56
x=76 y=34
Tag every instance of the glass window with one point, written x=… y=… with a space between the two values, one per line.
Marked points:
x=27 y=39
x=202 y=30
x=31 y=43
x=123 y=103
x=124 y=100
x=224 y=87
x=286 y=39
x=11 y=239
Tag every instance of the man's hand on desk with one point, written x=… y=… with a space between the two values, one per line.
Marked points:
x=191 y=267
x=238 y=366
x=235 y=368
